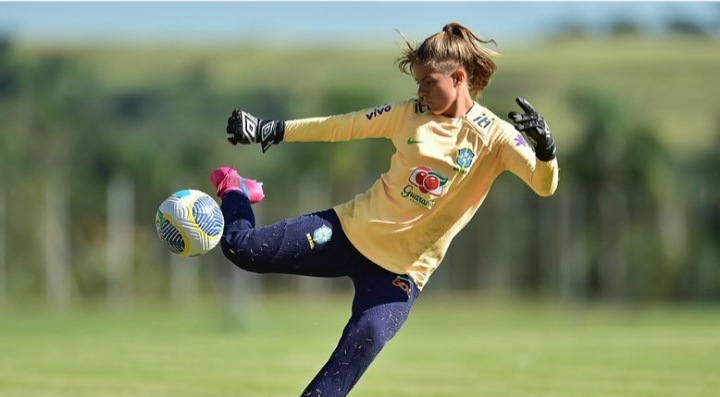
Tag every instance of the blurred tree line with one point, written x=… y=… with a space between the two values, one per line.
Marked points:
x=632 y=219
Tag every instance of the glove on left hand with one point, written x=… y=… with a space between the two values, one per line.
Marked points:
x=537 y=131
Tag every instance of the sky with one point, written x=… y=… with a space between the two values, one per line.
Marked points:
x=321 y=22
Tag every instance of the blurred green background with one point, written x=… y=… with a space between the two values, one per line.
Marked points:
x=610 y=287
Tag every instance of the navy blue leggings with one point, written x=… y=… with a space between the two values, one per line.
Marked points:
x=315 y=245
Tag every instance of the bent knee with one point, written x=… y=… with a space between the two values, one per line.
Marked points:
x=243 y=258
x=378 y=330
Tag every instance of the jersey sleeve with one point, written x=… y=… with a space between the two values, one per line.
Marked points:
x=378 y=122
x=518 y=157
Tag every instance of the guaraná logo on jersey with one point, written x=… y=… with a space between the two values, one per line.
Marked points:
x=377 y=112
x=428 y=181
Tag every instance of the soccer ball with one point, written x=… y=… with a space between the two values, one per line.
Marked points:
x=189 y=222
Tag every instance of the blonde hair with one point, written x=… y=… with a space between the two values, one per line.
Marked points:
x=449 y=49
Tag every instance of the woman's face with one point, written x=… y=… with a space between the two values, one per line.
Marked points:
x=436 y=89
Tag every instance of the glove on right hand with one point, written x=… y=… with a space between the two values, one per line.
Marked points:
x=536 y=129
x=244 y=128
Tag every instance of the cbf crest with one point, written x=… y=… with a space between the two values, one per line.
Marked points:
x=465 y=157
x=322 y=235
x=464 y=160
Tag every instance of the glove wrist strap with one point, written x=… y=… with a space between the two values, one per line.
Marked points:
x=545 y=150
x=270 y=132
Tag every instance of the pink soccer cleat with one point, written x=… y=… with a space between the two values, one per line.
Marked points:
x=226 y=178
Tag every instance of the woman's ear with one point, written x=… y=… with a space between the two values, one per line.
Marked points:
x=458 y=76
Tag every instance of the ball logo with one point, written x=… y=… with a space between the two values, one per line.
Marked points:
x=428 y=181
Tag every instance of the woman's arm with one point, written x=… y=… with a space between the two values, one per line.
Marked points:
x=518 y=157
x=378 y=122
x=537 y=167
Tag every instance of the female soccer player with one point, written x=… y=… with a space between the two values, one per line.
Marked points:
x=389 y=239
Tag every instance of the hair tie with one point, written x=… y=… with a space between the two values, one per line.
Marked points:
x=453 y=29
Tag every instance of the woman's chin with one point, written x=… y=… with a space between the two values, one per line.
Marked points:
x=432 y=109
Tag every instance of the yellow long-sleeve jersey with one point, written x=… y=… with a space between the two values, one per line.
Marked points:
x=439 y=176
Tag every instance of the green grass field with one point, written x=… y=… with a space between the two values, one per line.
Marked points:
x=471 y=347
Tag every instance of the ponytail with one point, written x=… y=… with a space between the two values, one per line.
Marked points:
x=453 y=47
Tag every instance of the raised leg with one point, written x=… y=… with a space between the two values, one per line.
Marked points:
x=310 y=245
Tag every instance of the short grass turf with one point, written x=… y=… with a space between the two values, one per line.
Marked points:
x=450 y=346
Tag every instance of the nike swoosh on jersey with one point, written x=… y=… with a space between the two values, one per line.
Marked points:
x=411 y=141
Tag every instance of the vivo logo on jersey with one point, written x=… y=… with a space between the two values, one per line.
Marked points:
x=377 y=112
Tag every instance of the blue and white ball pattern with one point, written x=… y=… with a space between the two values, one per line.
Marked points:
x=189 y=222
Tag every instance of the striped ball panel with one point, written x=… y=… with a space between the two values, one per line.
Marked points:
x=169 y=233
x=208 y=216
